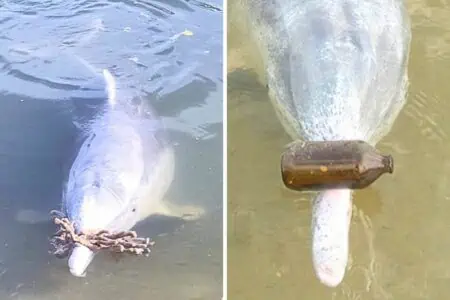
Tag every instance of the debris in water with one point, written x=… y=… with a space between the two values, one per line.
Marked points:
x=121 y=242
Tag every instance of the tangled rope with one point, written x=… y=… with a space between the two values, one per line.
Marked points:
x=66 y=238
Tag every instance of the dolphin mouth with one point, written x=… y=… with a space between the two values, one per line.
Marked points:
x=79 y=260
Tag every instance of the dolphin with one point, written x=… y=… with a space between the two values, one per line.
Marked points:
x=120 y=174
x=335 y=70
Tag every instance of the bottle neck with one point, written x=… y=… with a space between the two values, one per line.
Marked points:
x=388 y=163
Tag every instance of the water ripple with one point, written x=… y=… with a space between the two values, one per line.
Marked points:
x=422 y=109
x=154 y=48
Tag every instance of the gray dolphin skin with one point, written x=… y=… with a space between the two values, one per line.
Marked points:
x=120 y=174
x=336 y=70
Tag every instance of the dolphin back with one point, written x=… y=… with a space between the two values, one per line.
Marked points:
x=336 y=69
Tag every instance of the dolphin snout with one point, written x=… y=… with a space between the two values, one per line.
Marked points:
x=330 y=235
x=79 y=260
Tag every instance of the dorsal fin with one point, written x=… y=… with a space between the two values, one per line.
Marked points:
x=110 y=87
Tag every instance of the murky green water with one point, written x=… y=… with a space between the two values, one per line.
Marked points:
x=180 y=75
x=399 y=235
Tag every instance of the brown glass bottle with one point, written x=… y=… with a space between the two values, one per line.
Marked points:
x=332 y=165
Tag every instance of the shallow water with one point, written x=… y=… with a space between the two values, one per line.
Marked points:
x=179 y=74
x=399 y=236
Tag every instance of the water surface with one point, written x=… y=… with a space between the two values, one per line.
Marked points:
x=143 y=44
x=399 y=236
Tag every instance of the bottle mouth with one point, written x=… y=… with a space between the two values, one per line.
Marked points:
x=389 y=163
